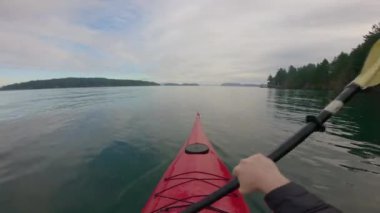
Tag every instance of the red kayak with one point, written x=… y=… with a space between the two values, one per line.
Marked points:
x=196 y=172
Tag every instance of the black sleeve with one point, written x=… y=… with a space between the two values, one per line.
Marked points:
x=294 y=198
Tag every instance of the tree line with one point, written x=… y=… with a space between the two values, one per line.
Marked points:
x=327 y=75
x=76 y=82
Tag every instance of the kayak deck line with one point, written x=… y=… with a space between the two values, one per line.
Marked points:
x=187 y=180
x=196 y=172
x=206 y=173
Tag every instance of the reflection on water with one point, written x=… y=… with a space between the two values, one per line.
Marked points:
x=351 y=131
x=104 y=149
x=106 y=182
x=357 y=121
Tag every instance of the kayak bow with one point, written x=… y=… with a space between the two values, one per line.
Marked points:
x=196 y=172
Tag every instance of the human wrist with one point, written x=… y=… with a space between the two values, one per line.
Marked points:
x=273 y=183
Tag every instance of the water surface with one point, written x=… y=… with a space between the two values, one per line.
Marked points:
x=104 y=149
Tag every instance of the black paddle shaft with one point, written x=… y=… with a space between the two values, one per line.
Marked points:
x=314 y=124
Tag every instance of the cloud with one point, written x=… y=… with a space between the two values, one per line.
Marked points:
x=53 y=37
x=182 y=41
x=244 y=41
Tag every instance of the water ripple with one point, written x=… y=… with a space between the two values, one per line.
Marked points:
x=104 y=149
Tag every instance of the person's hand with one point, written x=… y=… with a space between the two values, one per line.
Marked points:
x=258 y=173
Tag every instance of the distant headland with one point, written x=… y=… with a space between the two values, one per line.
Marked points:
x=76 y=82
x=184 y=84
x=242 y=85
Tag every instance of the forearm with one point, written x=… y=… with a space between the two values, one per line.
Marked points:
x=294 y=198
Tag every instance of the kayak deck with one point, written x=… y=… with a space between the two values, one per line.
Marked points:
x=196 y=172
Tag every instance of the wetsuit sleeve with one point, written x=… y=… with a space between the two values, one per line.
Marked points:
x=294 y=198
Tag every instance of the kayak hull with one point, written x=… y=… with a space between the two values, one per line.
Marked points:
x=196 y=172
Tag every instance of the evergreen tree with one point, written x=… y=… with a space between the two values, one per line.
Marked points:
x=292 y=76
x=324 y=75
x=280 y=78
x=270 y=81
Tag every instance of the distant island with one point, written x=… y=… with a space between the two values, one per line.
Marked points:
x=171 y=84
x=242 y=85
x=184 y=84
x=189 y=84
x=76 y=82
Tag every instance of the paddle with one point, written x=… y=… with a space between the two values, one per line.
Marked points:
x=368 y=77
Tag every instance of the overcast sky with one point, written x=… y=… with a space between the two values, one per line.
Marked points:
x=200 y=41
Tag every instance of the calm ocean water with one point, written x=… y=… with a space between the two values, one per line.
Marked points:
x=104 y=149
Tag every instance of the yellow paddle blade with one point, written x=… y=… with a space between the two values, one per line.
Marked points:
x=370 y=73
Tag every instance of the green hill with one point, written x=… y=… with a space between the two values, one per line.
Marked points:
x=76 y=82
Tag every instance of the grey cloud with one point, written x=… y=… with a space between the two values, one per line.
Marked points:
x=201 y=40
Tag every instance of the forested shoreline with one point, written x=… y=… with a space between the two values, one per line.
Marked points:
x=76 y=82
x=327 y=75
